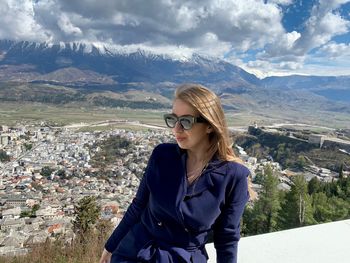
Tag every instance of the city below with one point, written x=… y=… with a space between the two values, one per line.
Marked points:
x=52 y=168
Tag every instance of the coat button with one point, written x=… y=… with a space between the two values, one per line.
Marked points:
x=186 y=229
x=160 y=223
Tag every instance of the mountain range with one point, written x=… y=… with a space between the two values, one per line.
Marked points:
x=101 y=72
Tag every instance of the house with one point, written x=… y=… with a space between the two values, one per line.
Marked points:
x=11 y=241
x=36 y=222
x=46 y=212
x=11 y=213
x=11 y=224
x=16 y=200
x=316 y=139
x=35 y=239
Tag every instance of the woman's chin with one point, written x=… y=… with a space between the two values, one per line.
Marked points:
x=182 y=145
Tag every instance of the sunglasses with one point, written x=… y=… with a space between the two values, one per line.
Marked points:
x=185 y=121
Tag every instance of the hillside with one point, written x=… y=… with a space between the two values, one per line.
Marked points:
x=291 y=149
x=80 y=74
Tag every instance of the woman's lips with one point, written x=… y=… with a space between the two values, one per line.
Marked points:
x=180 y=139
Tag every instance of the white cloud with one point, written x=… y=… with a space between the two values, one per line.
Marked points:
x=265 y=68
x=247 y=24
x=291 y=51
x=187 y=18
x=213 y=27
x=322 y=25
x=333 y=57
x=335 y=51
x=322 y=29
x=206 y=25
x=281 y=2
x=325 y=69
x=17 y=21
x=282 y=48
x=329 y=5
x=290 y=65
x=67 y=27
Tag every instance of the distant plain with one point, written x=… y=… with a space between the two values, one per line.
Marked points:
x=13 y=113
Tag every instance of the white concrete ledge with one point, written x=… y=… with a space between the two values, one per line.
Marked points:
x=324 y=243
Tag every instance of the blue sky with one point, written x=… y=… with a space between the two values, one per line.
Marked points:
x=265 y=37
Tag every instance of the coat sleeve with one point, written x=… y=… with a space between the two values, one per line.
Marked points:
x=133 y=213
x=226 y=229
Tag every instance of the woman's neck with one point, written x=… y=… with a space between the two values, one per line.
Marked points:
x=198 y=155
x=196 y=163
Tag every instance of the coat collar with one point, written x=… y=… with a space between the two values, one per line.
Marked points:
x=215 y=166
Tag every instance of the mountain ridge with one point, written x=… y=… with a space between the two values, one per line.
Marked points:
x=52 y=57
x=70 y=65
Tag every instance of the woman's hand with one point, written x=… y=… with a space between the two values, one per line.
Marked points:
x=105 y=257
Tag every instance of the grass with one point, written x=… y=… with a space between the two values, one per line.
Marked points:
x=14 y=113
x=56 y=252
x=87 y=250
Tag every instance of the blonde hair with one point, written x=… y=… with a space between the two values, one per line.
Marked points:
x=209 y=106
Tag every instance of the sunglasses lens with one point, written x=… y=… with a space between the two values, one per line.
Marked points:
x=186 y=123
x=170 y=121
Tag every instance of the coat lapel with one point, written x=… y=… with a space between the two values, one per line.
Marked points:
x=167 y=181
x=205 y=181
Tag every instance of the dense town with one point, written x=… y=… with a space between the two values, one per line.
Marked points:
x=50 y=169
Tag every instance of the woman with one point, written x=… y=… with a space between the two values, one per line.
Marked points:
x=188 y=190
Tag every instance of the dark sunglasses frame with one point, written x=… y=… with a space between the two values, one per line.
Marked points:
x=188 y=118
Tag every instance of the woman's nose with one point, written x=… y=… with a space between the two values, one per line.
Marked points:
x=178 y=127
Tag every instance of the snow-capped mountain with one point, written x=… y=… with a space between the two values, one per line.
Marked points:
x=120 y=66
x=101 y=68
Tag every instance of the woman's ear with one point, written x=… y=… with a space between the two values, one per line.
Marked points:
x=209 y=129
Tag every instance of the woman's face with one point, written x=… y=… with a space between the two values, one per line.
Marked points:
x=194 y=138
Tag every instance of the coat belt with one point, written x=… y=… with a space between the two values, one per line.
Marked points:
x=159 y=252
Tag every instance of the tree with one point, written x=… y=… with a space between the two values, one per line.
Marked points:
x=31 y=213
x=340 y=208
x=87 y=212
x=46 y=171
x=297 y=209
x=25 y=214
x=259 y=178
x=270 y=199
x=35 y=208
x=61 y=173
x=263 y=216
x=314 y=185
x=301 y=161
x=345 y=185
x=328 y=209
x=280 y=153
x=3 y=156
x=341 y=175
x=28 y=146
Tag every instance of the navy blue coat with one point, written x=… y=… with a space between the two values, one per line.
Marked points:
x=169 y=220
